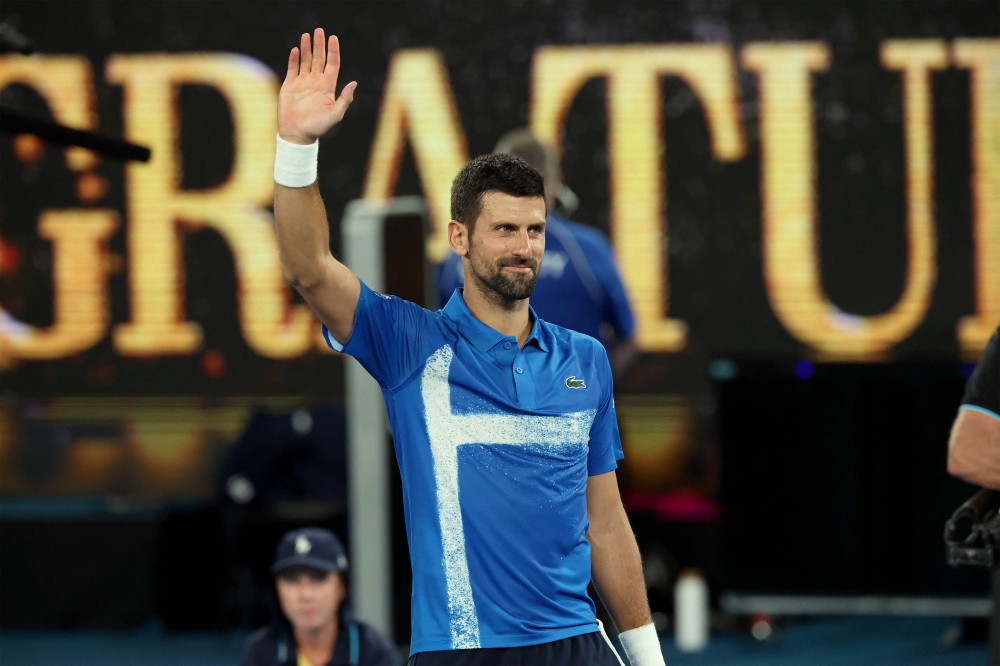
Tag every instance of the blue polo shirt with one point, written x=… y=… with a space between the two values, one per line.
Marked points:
x=578 y=287
x=495 y=444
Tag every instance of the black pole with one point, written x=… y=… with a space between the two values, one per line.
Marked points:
x=17 y=123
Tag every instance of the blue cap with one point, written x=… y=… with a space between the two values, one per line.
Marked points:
x=310 y=547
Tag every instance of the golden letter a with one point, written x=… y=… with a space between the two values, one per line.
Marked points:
x=418 y=102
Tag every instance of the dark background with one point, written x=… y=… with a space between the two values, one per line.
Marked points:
x=835 y=483
x=713 y=209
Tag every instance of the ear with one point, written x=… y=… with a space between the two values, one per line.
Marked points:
x=341 y=592
x=458 y=238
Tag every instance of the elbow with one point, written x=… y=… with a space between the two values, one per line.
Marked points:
x=962 y=466
x=296 y=279
x=601 y=534
x=304 y=278
x=956 y=466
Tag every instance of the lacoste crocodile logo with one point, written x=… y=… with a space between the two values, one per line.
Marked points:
x=573 y=382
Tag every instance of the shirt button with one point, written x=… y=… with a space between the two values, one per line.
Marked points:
x=506 y=345
x=517 y=370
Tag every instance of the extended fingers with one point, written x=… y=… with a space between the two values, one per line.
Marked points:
x=293 y=64
x=305 y=50
x=333 y=53
x=332 y=70
x=319 y=54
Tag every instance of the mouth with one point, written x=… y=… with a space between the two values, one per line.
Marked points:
x=519 y=269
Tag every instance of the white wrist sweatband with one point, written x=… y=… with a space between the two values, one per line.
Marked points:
x=294 y=164
x=642 y=646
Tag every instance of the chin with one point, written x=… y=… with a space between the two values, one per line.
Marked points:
x=308 y=623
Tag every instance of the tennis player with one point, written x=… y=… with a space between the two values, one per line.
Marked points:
x=504 y=426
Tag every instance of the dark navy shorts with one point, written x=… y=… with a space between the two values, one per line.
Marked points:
x=584 y=650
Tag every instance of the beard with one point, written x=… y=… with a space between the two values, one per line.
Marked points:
x=500 y=287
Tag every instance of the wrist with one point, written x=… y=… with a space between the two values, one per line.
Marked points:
x=295 y=164
x=642 y=646
x=296 y=138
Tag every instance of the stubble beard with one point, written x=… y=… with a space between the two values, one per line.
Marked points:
x=498 y=287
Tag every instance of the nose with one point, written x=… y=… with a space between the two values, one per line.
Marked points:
x=522 y=244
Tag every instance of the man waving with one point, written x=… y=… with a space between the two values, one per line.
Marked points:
x=504 y=425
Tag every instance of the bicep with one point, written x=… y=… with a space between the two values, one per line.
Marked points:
x=334 y=298
x=604 y=503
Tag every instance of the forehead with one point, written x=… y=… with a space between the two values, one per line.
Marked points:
x=502 y=207
x=297 y=571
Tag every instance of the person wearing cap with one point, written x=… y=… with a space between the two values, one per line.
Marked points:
x=314 y=627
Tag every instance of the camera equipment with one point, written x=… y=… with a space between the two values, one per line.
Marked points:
x=13 y=122
x=972 y=534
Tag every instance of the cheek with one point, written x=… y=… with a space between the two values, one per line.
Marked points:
x=286 y=598
x=329 y=599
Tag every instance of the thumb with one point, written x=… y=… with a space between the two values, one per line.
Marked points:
x=345 y=99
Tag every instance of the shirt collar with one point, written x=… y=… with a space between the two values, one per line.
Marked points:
x=484 y=337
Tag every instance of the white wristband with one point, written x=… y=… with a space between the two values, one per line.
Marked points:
x=642 y=646
x=295 y=164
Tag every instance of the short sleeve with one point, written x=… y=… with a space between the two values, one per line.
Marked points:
x=982 y=391
x=388 y=337
x=605 y=447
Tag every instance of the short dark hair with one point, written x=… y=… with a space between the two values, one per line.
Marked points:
x=492 y=173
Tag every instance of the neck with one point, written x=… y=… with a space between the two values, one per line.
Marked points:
x=508 y=317
x=317 y=641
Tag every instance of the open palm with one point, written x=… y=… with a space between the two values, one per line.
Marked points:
x=308 y=105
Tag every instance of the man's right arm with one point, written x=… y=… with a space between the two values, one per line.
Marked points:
x=307 y=108
x=329 y=287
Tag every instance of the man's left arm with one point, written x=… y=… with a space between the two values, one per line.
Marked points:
x=616 y=568
x=974 y=447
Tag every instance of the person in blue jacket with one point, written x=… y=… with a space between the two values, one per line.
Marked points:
x=578 y=287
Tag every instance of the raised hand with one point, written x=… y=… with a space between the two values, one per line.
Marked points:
x=308 y=105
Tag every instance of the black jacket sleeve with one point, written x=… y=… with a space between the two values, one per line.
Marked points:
x=376 y=649
x=983 y=388
x=261 y=649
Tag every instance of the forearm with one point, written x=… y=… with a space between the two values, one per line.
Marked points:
x=303 y=234
x=974 y=449
x=616 y=568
